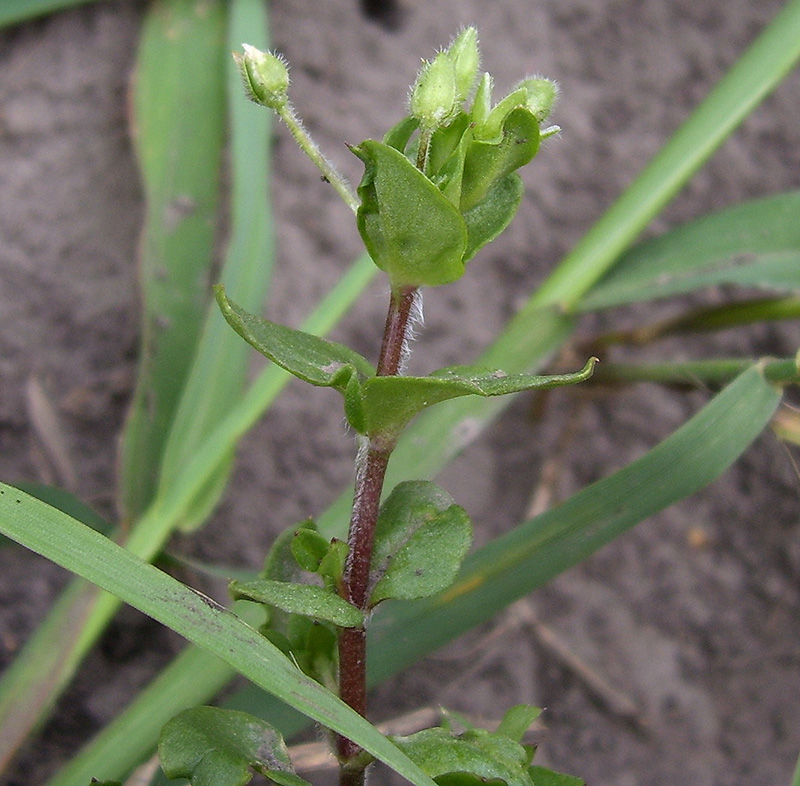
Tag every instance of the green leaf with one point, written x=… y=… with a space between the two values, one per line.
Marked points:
x=796 y=776
x=493 y=214
x=517 y=721
x=178 y=110
x=421 y=538
x=488 y=162
x=388 y=403
x=755 y=244
x=308 y=357
x=215 y=747
x=411 y=230
x=488 y=756
x=311 y=601
x=544 y=777
x=80 y=549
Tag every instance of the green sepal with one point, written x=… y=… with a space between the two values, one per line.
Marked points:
x=307 y=357
x=517 y=720
x=210 y=746
x=411 y=230
x=486 y=220
x=487 y=162
x=310 y=601
x=389 y=403
x=399 y=135
x=421 y=539
x=444 y=143
x=457 y=760
x=490 y=126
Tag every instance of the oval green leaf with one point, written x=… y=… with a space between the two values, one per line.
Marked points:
x=210 y=746
x=307 y=357
x=490 y=757
x=488 y=162
x=305 y=599
x=421 y=538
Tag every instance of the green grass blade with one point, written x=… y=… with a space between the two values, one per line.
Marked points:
x=39 y=674
x=79 y=548
x=219 y=372
x=773 y=54
x=695 y=373
x=173 y=179
x=15 y=11
x=755 y=244
x=179 y=110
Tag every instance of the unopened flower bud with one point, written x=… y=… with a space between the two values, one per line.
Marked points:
x=541 y=95
x=466 y=59
x=434 y=97
x=266 y=76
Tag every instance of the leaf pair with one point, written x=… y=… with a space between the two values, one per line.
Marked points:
x=421 y=538
x=477 y=756
x=378 y=407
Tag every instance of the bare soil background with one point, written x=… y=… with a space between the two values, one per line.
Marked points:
x=691 y=619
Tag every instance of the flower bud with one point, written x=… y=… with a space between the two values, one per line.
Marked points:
x=266 y=76
x=434 y=97
x=541 y=95
x=466 y=59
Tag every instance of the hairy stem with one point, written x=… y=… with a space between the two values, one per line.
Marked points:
x=311 y=149
x=370 y=473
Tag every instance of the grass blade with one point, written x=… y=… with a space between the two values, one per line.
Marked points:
x=179 y=110
x=755 y=244
x=219 y=371
x=773 y=54
x=172 y=176
x=706 y=373
x=79 y=548
x=15 y=11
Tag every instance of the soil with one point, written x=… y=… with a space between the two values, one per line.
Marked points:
x=672 y=657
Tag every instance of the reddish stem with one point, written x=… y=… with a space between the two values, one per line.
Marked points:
x=370 y=474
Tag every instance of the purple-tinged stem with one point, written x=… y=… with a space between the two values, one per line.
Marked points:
x=370 y=474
